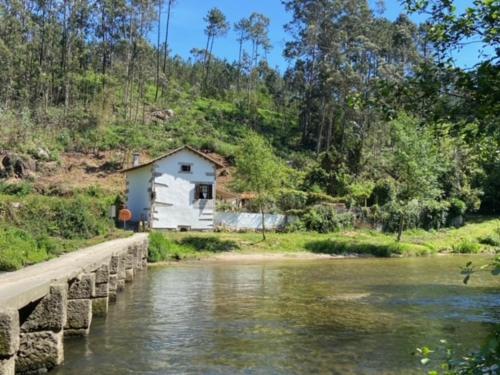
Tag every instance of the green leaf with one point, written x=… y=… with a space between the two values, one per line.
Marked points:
x=425 y=361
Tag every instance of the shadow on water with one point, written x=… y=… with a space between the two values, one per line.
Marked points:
x=212 y=244
x=332 y=246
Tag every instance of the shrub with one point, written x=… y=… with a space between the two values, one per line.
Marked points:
x=490 y=239
x=212 y=244
x=324 y=219
x=21 y=189
x=466 y=246
x=159 y=247
x=457 y=207
x=292 y=200
x=17 y=249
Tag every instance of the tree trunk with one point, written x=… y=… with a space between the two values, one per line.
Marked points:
x=208 y=61
x=165 y=52
x=400 y=228
x=239 y=63
x=158 y=52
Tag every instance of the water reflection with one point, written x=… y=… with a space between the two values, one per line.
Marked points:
x=347 y=317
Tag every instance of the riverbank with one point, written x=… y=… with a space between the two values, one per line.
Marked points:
x=481 y=235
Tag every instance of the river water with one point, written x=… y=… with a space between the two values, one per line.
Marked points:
x=349 y=316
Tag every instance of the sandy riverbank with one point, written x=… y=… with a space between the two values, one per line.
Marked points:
x=239 y=257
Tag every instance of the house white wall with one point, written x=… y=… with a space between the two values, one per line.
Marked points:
x=174 y=204
x=251 y=221
x=165 y=195
x=138 y=193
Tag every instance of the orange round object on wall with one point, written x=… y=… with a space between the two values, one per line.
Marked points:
x=125 y=215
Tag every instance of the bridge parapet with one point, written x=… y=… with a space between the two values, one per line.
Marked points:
x=42 y=303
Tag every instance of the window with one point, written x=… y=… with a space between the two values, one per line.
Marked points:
x=186 y=168
x=203 y=191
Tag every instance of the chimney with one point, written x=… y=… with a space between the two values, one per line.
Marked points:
x=135 y=159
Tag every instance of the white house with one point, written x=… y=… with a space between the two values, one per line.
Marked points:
x=175 y=191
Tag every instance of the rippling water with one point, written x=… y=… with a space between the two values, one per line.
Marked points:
x=361 y=316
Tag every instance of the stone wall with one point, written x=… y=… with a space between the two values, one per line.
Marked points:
x=31 y=337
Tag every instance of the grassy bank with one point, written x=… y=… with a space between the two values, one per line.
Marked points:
x=35 y=228
x=483 y=235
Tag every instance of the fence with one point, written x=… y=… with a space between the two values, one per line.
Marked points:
x=250 y=221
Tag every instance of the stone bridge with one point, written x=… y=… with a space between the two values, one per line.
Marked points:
x=41 y=304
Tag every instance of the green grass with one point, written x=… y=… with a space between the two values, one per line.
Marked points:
x=414 y=243
x=35 y=228
x=163 y=248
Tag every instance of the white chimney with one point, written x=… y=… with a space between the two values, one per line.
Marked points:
x=136 y=159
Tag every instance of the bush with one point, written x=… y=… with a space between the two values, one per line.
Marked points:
x=491 y=240
x=457 y=207
x=324 y=219
x=17 y=249
x=212 y=244
x=21 y=189
x=292 y=200
x=466 y=246
x=159 y=247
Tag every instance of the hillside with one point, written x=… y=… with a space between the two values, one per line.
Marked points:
x=377 y=117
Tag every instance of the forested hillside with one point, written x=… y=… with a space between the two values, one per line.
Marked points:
x=371 y=111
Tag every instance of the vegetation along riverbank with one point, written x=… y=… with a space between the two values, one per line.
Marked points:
x=481 y=235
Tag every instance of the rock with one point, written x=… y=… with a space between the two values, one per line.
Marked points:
x=50 y=313
x=101 y=290
x=9 y=332
x=102 y=274
x=18 y=166
x=39 y=351
x=7 y=366
x=79 y=314
x=82 y=288
x=100 y=306
x=162 y=115
x=42 y=154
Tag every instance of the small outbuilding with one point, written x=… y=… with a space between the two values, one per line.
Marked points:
x=175 y=191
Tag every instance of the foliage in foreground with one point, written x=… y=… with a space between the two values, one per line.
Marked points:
x=179 y=245
x=34 y=228
x=163 y=248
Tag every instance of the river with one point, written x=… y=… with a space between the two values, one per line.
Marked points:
x=348 y=316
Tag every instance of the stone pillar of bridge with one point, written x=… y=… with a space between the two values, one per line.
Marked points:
x=9 y=340
x=145 y=249
x=130 y=264
x=113 y=277
x=79 y=306
x=100 y=299
x=121 y=274
x=41 y=332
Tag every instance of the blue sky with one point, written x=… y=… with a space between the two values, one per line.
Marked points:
x=187 y=27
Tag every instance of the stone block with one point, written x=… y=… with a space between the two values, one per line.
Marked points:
x=102 y=274
x=113 y=280
x=101 y=290
x=121 y=267
x=129 y=275
x=129 y=261
x=9 y=332
x=120 y=285
x=113 y=264
x=100 y=306
x=7 y=366
x=39 y=352
x=76 y=332
x=79 y=314
x=82 y=287
x=50 y=312
x=112 y=297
